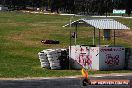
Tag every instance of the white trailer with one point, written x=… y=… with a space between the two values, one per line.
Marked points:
x=98 y=58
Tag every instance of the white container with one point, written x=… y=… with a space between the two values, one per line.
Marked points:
x=98 y=58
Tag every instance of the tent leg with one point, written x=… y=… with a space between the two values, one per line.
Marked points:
x=76 y=35
x=70 y=50
x=94 y=37
x=99 y=37
x=114 y=37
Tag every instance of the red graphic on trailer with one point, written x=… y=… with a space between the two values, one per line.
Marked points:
x=85 y=59
x=88 y=59
x=112 y=60
x=81 y=49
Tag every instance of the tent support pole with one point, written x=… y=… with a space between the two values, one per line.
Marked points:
x=70 y=41
x=70 y=49
x=94 y=36
x=99 y=37
x=114 y=37
x=76 y=34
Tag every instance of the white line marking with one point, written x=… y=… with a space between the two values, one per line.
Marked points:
x=98 y=76
x=118 y=75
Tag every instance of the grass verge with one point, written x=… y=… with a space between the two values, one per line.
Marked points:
x=20 y=36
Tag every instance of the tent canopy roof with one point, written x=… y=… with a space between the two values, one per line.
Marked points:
x=99 y=23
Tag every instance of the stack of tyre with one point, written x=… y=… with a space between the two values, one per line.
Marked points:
x=64 y=60
x=44 y=60
x=130 y=59
x=53 y=58
x=49 y=58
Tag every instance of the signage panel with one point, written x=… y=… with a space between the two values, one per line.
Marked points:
x=115 y=11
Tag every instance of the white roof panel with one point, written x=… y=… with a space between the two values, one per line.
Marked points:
x=101 y=23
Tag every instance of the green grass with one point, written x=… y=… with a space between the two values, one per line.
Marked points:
x=20 y=36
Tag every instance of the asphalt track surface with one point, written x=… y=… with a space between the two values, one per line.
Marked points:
x=58 y=83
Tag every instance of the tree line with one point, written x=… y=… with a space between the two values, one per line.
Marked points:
x=71 y=6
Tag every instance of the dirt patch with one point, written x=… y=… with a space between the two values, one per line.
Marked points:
x=126 y=36
x=129 y=33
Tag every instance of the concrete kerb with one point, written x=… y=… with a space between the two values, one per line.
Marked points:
x=72 y=77
x=112 y=74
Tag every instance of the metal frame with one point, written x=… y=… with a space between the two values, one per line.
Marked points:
x=114 y=27
x=94 y=36
x=114 y=37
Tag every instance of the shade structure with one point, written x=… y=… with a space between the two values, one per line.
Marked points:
x=99 y=23
x=94 y=57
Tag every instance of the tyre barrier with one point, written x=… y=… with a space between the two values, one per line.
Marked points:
x=45 y=65
x=42 y=53
x=54 y=61
x=130 y=62
x=50 y=58
x=55 y=67
x=54 y=64
x=53 y=56
x=59 y=52
x=44 y=60
x=128 y=57
x=50 y=52
x=42 y=57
